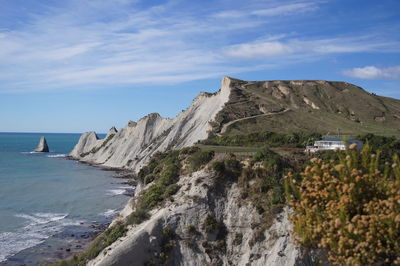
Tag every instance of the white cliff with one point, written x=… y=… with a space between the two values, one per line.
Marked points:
x=134 y=144
x=243 y=243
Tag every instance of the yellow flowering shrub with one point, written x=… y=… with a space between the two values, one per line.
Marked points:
x=350 y=208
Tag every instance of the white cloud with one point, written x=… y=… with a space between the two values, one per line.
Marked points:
x=282 y=45
x=274 y=10
x=373 y=72
x=96 y=43
x=286 y=9
x=257 y=50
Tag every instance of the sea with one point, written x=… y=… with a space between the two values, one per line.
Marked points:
x=51 y=206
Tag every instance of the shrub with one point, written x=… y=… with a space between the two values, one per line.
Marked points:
x=137 y=217
x=151 y=196
x=171 y=190
x=218 y=167
x=149 y=178
x=200 y=158
x=349 y=207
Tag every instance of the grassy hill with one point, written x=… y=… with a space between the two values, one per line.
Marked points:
x=306 y=105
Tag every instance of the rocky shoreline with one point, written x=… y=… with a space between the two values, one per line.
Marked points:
x=72 y=240
x=75 y=238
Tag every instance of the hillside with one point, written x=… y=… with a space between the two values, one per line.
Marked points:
x=243 y=107
x=306 y=105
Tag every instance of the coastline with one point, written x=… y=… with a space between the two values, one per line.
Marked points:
x=73 y=239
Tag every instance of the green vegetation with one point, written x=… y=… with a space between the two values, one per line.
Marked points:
x=164 y=170
x=200 y=158
x=350 y=207
x=228 y=169
x=388 y=146
x=272 y=139
x=263 y=185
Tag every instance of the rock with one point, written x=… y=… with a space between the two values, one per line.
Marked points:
x=42 y=146
x=273 y=246
x=133 y=145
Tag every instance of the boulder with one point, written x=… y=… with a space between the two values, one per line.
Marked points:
x=42 y=146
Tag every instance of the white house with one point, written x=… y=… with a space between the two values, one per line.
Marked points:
x=333 y=144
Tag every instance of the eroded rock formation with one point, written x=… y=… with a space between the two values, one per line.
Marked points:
x=42 y=146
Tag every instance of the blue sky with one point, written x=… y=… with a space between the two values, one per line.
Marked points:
x=75 y=66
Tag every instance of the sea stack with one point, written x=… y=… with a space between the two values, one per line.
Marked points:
x=42 y=146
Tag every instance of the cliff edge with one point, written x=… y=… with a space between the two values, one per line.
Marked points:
x=134 y=144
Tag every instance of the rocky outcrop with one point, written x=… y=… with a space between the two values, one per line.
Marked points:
x=42 y=146
x=87 y=142
x=134 y=144
x=237 y=240
x=112 y=131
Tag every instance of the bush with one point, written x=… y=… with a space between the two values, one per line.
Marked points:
x=271 y=160
x=149 y=178
x=218 y=166
x=171 y=190
x=349 y=207
x=151 y=197
x=200 y=158
x=137 y=217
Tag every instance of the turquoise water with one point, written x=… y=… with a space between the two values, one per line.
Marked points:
x=42 y=194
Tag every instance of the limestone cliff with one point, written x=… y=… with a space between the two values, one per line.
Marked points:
x=134 y=144
x=239 y=238
x=246 y=107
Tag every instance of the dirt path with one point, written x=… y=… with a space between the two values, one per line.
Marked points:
x=225 y=127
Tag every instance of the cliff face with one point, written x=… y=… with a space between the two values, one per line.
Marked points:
x=237 y=239
x=134 y=144
x=246 y=107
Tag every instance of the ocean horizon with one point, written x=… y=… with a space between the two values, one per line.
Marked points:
x=48 y=202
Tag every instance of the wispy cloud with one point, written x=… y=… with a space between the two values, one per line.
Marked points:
x=373 y=72
x=286 y=9
x=95 y=43
x=256 y=50
x=307 y=48
x=275 y=10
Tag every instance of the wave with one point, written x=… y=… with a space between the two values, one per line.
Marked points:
x=42 y=218
x=109 y=213
x=127 y=190
x=56 y=156
x=31 y=152
x=40 y=227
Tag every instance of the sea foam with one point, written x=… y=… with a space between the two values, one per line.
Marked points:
x=40 y=226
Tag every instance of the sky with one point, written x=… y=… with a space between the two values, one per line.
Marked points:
x=77 y=66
